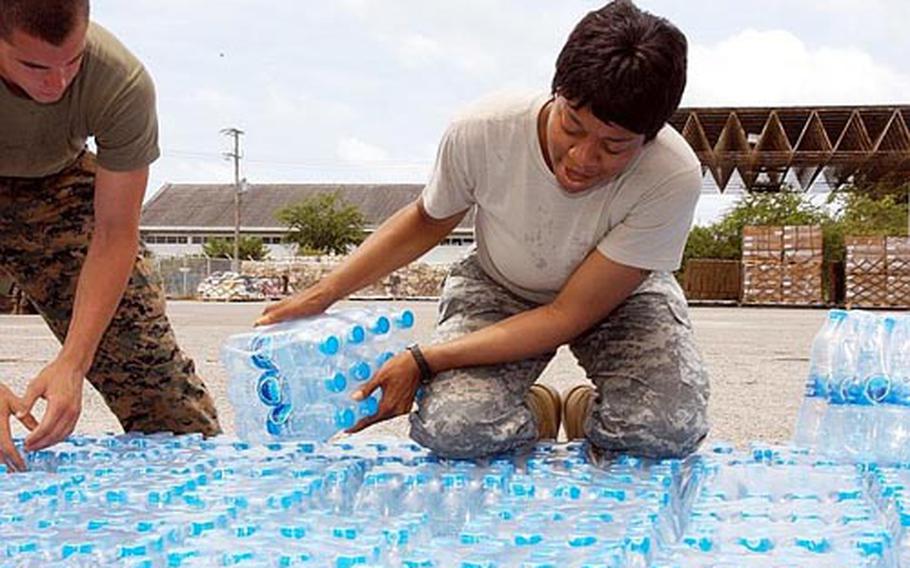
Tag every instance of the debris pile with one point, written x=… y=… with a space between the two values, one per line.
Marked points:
x=234 y=287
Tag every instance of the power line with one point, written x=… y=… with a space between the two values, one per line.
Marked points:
x=207 y=156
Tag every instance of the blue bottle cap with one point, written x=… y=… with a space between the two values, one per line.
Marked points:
x=581 y=541
x=330 y=345
x=527 y=539
x=357 y=335
x=405 y=320
x=817 y=545
x=281 y=413
x=261 y=347
x=361 y=371
x=336 y=383
x=878 y=387
x=381 y=326
x=837 y=314
x=345 y=418
x=269 y=388
x=273 y=428
x=368 y=406
x=756 y=544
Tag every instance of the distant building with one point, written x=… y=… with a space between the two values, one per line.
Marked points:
x=180 y=218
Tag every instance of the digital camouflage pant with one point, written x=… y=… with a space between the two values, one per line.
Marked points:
x=144 y=377
x=652 y=387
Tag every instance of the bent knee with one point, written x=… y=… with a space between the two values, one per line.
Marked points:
x=653 y=433
x=459 y=434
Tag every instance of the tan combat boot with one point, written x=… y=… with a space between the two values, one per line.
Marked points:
x=575 y=405
x=545 y=405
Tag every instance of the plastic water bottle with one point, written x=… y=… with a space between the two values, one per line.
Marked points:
x=455 y=504
x=819 y=381
x=897 y=358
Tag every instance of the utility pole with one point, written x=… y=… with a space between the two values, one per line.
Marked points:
x=236 y=156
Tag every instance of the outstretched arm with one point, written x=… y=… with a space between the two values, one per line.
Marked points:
x=102 y=281
x=401 y=239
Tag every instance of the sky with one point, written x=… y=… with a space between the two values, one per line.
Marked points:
x=361 y=90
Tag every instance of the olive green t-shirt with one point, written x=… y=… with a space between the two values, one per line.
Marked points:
x=112 y=98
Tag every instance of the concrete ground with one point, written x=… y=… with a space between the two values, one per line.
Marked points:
x=757 y=359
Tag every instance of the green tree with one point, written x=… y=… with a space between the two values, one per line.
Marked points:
x=323 y=224
x=879 y=212
x=891 y=185
x=251 y=248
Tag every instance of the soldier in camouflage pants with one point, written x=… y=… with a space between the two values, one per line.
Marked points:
x=652 y=388
x=146 y=380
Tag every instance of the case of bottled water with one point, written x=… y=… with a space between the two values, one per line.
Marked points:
x=857 y=403
x=294 y=380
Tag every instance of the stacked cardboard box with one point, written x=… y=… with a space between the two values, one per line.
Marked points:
x=762 y=264
x=867 y=272
x=897 y=259
x=803 y=259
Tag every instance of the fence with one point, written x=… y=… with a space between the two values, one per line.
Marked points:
x=707 y=279
x=180 y=276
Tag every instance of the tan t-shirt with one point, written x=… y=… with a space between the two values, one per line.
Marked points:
x=531 y=234
x=112 y=98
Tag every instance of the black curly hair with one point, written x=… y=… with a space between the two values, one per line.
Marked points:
x=627 y=65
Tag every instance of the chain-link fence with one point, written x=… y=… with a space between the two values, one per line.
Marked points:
x=180 y=276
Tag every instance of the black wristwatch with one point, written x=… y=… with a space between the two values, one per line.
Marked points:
x=426 y=374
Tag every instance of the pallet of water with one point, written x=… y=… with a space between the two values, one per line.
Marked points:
x=185 y=501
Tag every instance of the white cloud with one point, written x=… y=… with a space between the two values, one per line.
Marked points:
x=475 y=39
x=767 y=68
x=361 y=90
x=418 y=50
x=215 y=100
x=358 y=152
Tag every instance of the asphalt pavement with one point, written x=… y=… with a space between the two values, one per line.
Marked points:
x=757 y=359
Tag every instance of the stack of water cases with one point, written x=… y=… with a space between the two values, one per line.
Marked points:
x=159 y=501
x=183 y=501
x=294 y=380
x=857 y=404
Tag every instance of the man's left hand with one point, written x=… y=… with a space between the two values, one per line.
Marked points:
x=60 y=384
x=399 y=379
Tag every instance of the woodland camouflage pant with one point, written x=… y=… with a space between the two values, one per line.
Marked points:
x=652 y=387
x=146 y=380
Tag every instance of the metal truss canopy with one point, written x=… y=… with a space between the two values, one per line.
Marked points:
x=770 y=147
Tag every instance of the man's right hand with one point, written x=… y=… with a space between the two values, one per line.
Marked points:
x=311 y=302
x=10 y=404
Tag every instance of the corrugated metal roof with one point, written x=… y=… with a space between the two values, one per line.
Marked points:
x=212 y=205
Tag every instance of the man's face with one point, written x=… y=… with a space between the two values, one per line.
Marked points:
x=581 y=150
x=41 y=70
